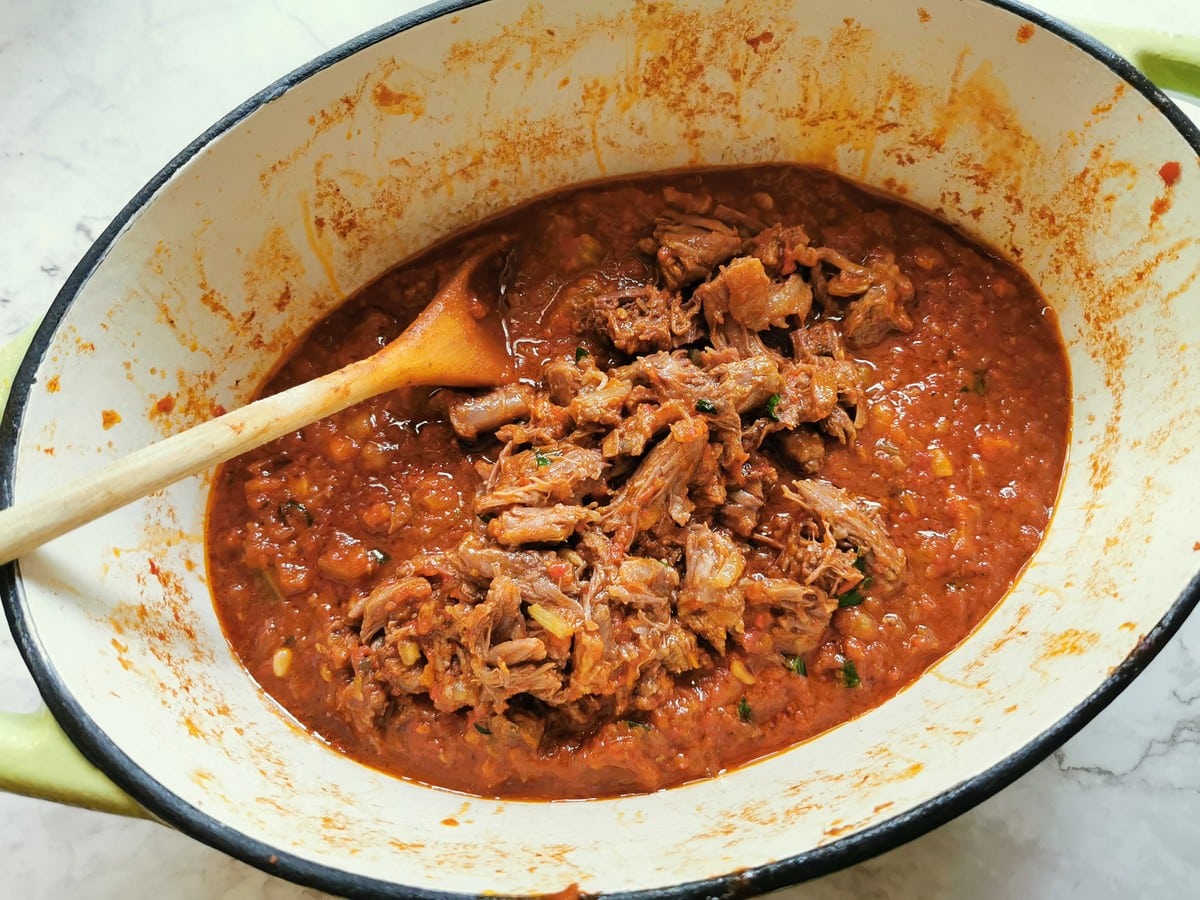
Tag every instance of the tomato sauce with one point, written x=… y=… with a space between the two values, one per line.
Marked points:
x=961 y=451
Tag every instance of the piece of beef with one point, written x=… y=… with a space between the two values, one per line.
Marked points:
x=849 y=520
x=709 y=484
x=386 y=600
x=777 y=248
x=640 y=427
x=803 y=448
x=823 y=386
x=658 y=484
x=519 y=525
x=882 y=291
x=800 y=613
x=710 y=603
x=472 y=416
x=517 y=651
x=810 y=393
x=740 y=512
x=646 y=319
x=754 y=300
x=601 y=397
x=747 y=384
x=806 y=550
x=475 y=559
x=818 y=339
x=677 y=649
x=691 y=246
x=559 y=473
x=500 y=683
x=496 y=619
x=605 y=662
x=564 y=379
x=696 y=203
x=645 y=584
x=725 y=331
x=883 y=306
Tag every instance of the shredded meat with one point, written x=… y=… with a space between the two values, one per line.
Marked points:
x=473 y=415
x=848 y=519
x=691 y=246
x=642 y=517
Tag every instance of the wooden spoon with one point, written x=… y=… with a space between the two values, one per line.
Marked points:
x=450 y=343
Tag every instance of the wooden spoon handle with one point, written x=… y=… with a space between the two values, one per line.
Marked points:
x=450 y=343
x=28 y=524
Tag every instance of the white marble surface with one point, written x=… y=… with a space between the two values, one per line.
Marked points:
x=95 y=97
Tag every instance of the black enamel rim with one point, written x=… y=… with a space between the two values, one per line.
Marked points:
x=98 y=748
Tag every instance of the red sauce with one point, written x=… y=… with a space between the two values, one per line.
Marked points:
x=962 y=451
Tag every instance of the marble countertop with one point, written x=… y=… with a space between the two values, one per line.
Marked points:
x=98 y=96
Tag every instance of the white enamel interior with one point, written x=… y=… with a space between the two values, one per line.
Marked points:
x=281 y=218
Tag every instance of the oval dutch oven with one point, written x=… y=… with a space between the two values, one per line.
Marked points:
x=326 y=179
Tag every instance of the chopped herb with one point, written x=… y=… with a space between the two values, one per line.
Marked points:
x=745 y=713
x=705 y=406
x=580 y=353
x=979 y=382
x=293 y=509
x=634 y=723
x=850 y=675
x=773 y=406
x=483 y=729
x=377 y=556
x=542 y=458
x=271 y=584
x=850 y=598
x=855 y=595
x=798 y=665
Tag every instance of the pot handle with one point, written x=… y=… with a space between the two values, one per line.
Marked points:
x=36 y=758
x=1171 y=61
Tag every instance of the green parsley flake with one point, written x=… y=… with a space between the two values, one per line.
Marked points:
x=850 y=675
x=483 y=729
x=798 y=665
x=705 y=406
x=773 y=406
x=850 y=598
x=634 y=723
x=745 y=713
x=580 y=353
x=979 y=382
x=377 y=556
x=541 y=458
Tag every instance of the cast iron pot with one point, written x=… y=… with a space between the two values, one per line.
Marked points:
x=1017 y=129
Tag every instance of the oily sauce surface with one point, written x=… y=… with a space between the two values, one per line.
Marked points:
x=960 y=453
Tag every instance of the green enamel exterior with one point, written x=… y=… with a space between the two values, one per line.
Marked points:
x=1171 y=61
